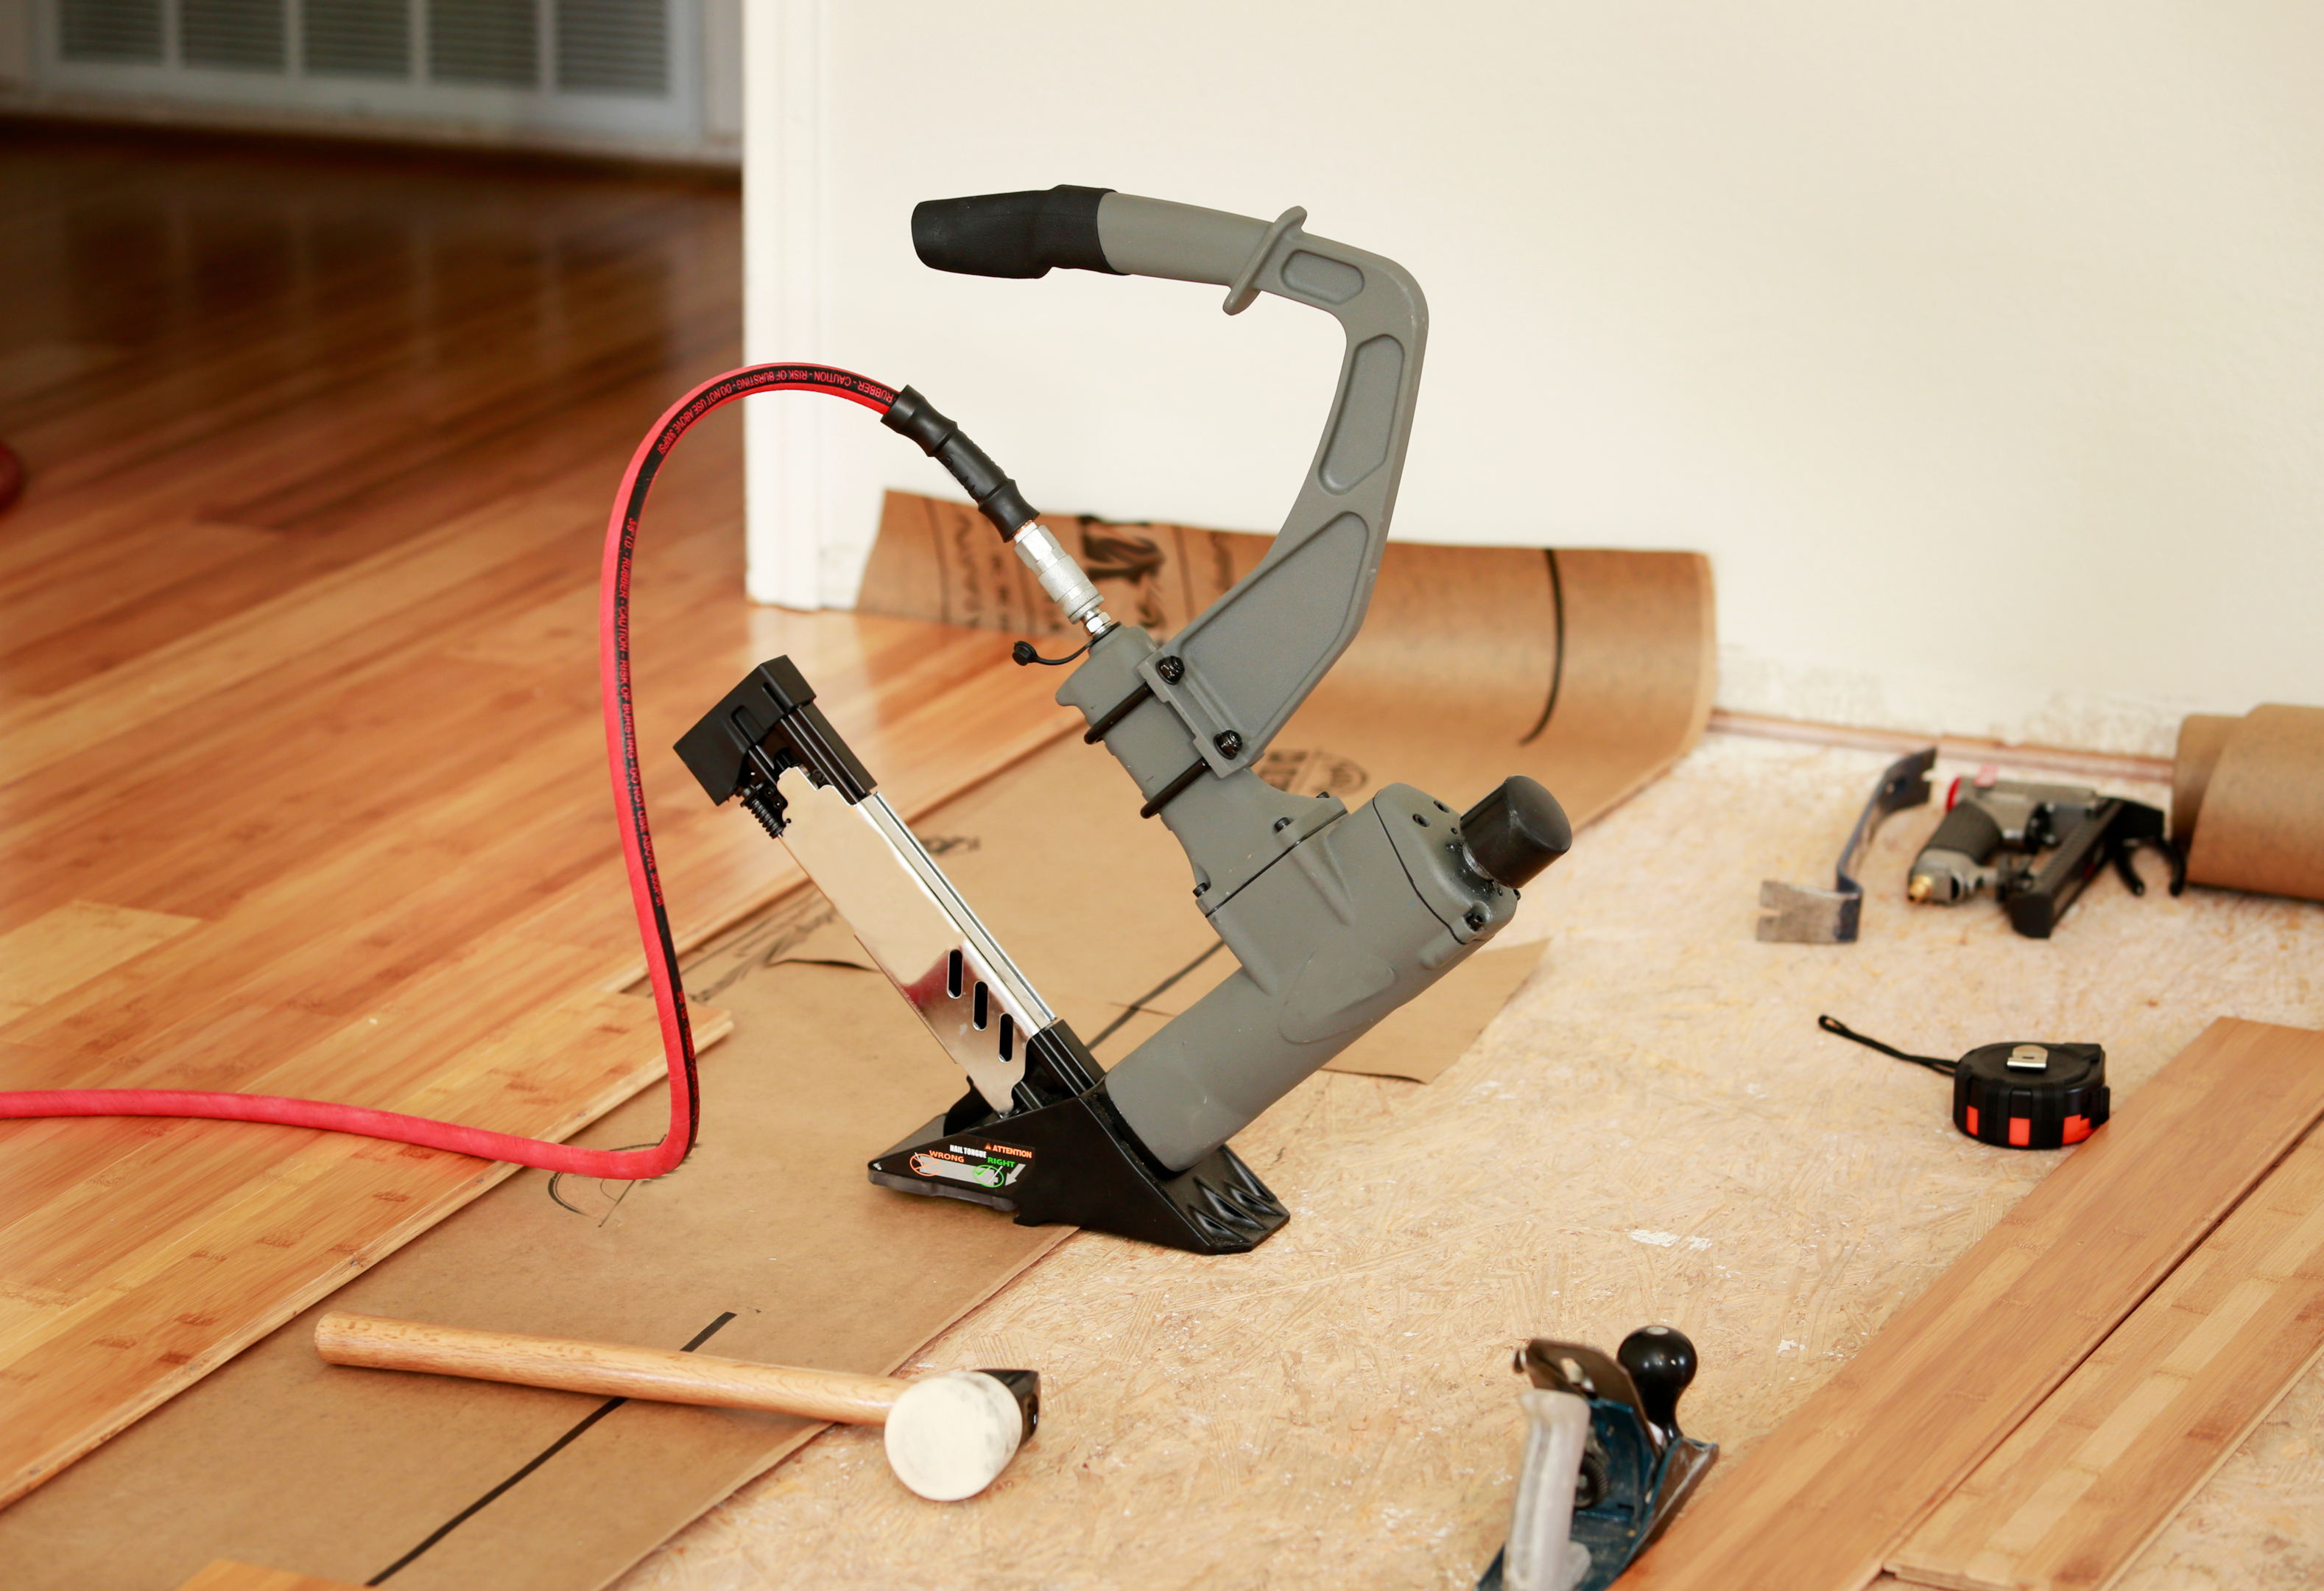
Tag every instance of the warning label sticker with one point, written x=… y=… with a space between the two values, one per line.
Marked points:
x=987 y=1165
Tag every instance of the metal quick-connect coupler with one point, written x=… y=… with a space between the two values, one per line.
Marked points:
x=1062 y=577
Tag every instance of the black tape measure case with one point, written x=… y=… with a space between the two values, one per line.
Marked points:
x=2027 y=1095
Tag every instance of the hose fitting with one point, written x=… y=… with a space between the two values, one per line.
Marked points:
x=1062 y=577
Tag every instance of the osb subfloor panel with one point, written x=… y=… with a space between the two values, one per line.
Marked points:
x=1655 y=1130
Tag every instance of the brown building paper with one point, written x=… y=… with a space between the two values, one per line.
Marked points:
x=2247 y=800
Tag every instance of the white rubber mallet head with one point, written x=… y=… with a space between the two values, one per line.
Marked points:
x=948 y=1436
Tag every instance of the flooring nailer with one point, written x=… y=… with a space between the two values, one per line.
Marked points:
x=1337 y=917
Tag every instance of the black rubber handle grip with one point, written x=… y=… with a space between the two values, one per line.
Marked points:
x=1014 y=235
x=1968 y=829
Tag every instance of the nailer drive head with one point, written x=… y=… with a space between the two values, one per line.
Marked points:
x=766 y=723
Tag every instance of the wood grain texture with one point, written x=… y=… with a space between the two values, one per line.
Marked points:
x=2102 y=1465
x=72 y=944
x=302 y=776
x=226 y=1574
x=610 y=1369
x=1820 y=1504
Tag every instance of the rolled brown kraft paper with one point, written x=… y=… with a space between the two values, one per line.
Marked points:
x=2247 y=800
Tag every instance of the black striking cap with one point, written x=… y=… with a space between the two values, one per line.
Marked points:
x=1515 y=833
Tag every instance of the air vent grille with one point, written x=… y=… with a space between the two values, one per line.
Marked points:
x=241 y=35
x=357 y=38
x=616 y=45
x=109 y=29
x=483 y=42
x=581 y=63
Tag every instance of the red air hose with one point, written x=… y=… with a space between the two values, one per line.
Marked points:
x=637 y=850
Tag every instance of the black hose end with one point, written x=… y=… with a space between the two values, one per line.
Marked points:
x=1012 y=235
x=1006 y=507
x=914 y=416
x=932 y=430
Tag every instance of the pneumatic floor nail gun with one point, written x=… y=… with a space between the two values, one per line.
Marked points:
x=1336 y=917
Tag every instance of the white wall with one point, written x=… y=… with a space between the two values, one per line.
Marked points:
x=1981 y=345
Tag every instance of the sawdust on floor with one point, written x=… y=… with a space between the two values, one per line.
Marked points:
x=1654 y=1130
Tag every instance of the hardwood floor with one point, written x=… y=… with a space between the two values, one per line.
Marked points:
x=1822 y=1503
x=302 y=782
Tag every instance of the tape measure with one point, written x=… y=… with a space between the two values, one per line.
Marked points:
x=2028 y=1095
x=2019 y=1095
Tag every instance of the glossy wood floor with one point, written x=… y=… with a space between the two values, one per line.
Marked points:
x=301 y=782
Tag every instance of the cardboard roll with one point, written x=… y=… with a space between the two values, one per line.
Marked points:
x=2026 y=1096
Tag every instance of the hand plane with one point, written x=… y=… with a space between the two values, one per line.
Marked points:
x=1336 y=917
x=1606 y=1468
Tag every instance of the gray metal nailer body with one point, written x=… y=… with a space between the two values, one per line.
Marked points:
x=1336 y=917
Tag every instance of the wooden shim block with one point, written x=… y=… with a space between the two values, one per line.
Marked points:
x=1821 y=1502
x=2107 y=1460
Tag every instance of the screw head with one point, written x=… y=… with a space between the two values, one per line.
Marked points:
x=1282 y=823
x=1171 y=669
x=1228 y=743
x=1476 y=917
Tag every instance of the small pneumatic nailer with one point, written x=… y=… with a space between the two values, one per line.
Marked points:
x=1994 y=829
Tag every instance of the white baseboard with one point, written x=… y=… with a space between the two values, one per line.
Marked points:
x=1978 y=707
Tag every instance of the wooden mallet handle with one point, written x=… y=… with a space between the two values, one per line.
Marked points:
x=606 y=1369
x=948 y=1436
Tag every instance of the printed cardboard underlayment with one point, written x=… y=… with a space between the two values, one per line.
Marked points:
x=1587 y=670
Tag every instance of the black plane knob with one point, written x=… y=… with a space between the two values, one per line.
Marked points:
x=1662 y=1364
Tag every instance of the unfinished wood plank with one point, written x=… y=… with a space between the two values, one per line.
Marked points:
x=1821 y=1502
x=2107 y=1460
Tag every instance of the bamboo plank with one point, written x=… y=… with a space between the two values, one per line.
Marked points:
x=304 y=622
x=66 y=948
x=2098 y=1470
x=1821 y=1502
